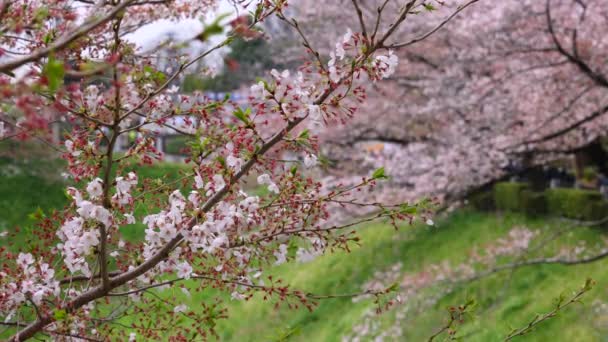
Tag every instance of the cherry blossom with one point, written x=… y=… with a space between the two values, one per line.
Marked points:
x=203 y=229
x=265 y=180
x=95 y=188
x=281 y=254
x=310 y=160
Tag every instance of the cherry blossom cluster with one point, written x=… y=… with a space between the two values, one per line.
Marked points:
x=34 y=282
x=379 y=67
x=248 y=197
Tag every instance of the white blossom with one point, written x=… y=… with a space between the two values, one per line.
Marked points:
x=184 y=270
x=69 y=145
x=218 y=184
x=235 y=295
x=387 y=64
x=123 y=185
x=265 y=179
x=279 y=75
x=194 y=198
x=24 y=260
x=95 y=188
x=340 y=45
x=281 y=254
x=314 y=112
x=89 y=210
x=234 y=163
x=303 y=255
x=130 y=218
x=180 y=308
x=258 y=90
x=310 y=161
x=250 y=204
x=333 y=71
x=198 y=181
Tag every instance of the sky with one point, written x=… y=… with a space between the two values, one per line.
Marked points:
x=149 y=36
x=152 y=34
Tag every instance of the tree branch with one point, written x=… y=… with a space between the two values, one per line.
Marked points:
x=538 y=319
x=573 y=58
x=66 y=40
x=435 y=29
x=361 y=21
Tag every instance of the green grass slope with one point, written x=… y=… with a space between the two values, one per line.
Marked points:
x=505 y=300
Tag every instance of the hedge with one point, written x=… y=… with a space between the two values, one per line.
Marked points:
x=576 y=203
x=507 y=196
x=533 y=203
x=483 y=201
x=175 y=144
x=559 y=202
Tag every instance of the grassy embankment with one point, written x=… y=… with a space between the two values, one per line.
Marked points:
x=505 y=300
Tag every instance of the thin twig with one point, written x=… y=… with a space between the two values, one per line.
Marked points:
x=538 y=319
x=436 y=28
x=66 y=40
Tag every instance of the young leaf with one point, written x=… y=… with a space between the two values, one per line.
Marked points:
x=54 y=72
x=379 y=174
x=304 y=134
x=59 y=314
x=429 y=7
x=213 y=29
x=242 y=115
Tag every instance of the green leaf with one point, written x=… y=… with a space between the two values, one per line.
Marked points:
x=198 y=146
x=242 y=115
x=324 y=161
x=408 y=209
x=47 y=38
x=429 y=7
x=213 y=29
x=379 y=174
x=588 y=284
x=258 y=10
x=259 y=79
x=292 y=249
x=149 y=69
x=41 y=14
x=221 y=160
x=60 y=314
x=303 y=138
x=286 y=334
x=394 y=287
x=36 y=215
x=159 y=77
x=54 y=72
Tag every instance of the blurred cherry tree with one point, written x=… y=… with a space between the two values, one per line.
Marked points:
x=513 y=83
